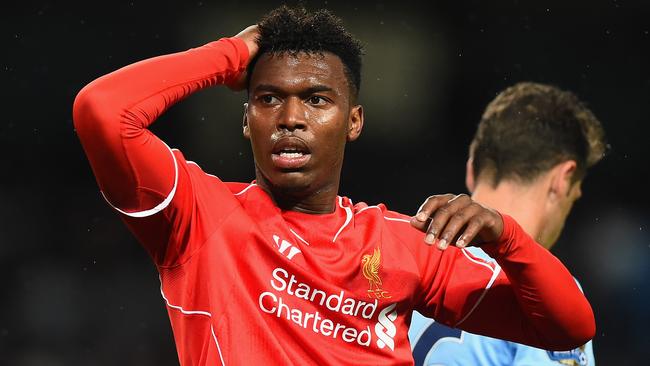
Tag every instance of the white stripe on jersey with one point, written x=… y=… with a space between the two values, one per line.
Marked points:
x=193 y=312
x=162 y=205
x=495 y=272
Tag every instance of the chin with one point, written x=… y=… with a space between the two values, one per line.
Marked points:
x=292 y=183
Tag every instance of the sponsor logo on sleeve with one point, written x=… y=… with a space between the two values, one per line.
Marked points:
x=575 y=357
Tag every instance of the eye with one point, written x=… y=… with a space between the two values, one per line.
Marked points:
x=269 y=99
x=316 y=100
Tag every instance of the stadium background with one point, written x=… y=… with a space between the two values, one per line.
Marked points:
x=76 y=289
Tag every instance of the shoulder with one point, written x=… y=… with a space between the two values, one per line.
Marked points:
x=364 y=212
x=194 y=181
x=394 y=224
x=396 y=230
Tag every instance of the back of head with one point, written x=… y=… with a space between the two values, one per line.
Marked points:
x=295 y=30
x=528 y=129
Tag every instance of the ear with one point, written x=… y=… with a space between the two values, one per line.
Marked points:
x=246 y=129
x=355 y=122
x=562 y=179
x=470 y=182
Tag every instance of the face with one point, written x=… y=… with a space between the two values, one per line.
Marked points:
x=556 y=220
x=298 y=118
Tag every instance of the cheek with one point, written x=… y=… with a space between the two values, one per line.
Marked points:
x=258 y=137
x=334 y=139
x=257 y=126
x=259 y=116
x=329 y=117
x=336 y=122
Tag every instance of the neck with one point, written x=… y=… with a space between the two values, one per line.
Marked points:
x=306 y=199
x=525 y=203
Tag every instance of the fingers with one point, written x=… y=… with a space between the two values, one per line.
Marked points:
x=473 y=226
x=250 y=35
x=448 y=219
x=421 y=220
x=455 y=219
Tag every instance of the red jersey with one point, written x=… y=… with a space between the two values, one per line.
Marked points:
x=247 y=283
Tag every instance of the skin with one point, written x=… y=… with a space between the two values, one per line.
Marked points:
x=540 y=207
x=305 y=101
x=301 y=101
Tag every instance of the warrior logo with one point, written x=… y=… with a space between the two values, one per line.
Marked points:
x=370 y=264
x=284 y=245
x=385 y=328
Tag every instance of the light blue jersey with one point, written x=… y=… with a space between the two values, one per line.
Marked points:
x=434 y=344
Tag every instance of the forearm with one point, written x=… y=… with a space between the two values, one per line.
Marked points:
x=133 y=167
x=147 y=88
x=548 y=308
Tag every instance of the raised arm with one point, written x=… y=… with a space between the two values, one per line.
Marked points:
x=137 y=172
x=134 y=168
x=530 y=297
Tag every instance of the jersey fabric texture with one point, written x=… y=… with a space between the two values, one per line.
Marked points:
x=434 y=344
x=247 y=283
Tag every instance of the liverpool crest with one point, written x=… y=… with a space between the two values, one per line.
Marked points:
x=370 y=265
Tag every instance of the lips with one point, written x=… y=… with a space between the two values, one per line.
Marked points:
x=290 y=153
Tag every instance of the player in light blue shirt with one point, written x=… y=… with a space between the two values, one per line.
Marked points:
x=528 y=158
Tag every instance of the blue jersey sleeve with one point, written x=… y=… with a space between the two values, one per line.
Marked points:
x=530 y=356
x=436 y=344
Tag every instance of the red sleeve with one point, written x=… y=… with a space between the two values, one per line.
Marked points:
x=538 y=291
x=137 y=173
x=529 y=297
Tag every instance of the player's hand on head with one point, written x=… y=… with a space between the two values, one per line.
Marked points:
x=457 y=220
x=249 y=35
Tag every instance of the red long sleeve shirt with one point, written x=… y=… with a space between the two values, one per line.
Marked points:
x=248 y=283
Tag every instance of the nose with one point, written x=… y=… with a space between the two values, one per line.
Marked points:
x=293 y=115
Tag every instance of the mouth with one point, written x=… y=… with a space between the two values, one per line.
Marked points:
x=290 y=153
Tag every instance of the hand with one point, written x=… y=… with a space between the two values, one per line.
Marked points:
x=249 y=36
x=442 y=218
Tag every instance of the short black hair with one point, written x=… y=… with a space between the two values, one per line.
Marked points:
x=294 y=30
x=529 y=128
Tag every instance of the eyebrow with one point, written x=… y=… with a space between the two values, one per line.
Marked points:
x=311 y=90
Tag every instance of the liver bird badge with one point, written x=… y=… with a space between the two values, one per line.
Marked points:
x=370 y=264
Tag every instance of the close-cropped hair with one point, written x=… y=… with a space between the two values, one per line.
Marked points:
x=294 y=30
x=529 y=128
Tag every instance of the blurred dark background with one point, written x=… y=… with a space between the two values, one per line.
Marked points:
x=77 y=289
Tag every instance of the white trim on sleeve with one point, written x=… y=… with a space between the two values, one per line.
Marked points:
x=495 y=272
x=161 y=206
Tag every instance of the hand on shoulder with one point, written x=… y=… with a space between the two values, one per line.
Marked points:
x=457 y=220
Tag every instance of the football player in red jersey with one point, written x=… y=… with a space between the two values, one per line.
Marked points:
x=283 y=270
